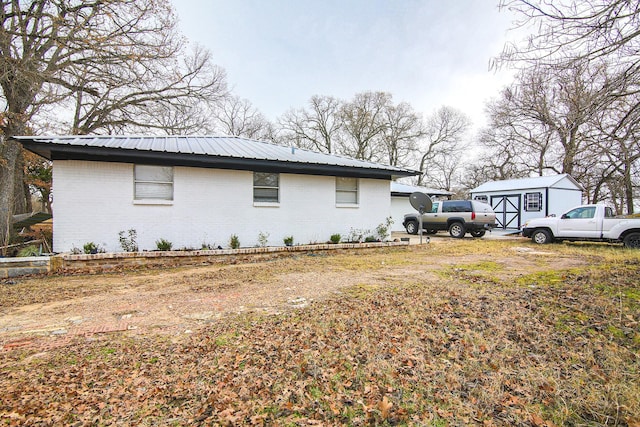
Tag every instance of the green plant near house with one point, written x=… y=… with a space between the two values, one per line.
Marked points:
x=91 y=248
x=335 y=238
x=234 y=241
x=288 y=241
x=357 y=235
x=369 y=239
x=31 y=250
x=263 y=239
x=163 y=245
x=382 y=230
x=209 y=247
x=128 y=242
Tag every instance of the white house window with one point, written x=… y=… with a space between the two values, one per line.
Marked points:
x=266 y=187
x=483 y=199
x=153 y=182
x=533 y=202
x=346 y=191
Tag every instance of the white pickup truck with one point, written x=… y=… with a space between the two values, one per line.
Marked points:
x=587 y=222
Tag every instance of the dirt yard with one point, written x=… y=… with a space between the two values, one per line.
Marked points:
x=486 y=332
x=49 y=311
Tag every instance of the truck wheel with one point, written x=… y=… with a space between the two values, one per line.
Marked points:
x=632 y=240
x=478 y=233
x=541 y=237
x=457 y=230
x=412 y=227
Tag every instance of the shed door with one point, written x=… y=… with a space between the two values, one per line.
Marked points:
x=507 y=209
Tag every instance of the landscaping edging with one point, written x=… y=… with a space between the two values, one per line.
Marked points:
x=14 y=267
x=155 y=259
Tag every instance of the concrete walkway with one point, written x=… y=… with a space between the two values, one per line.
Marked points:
x=414 y=239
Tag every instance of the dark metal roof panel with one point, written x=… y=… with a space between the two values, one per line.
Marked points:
x=208 y=146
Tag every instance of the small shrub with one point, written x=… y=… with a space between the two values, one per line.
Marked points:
x=356 y=235
x=163 y=245
x=209 y=247
x=263 y=239
x=369 y=239
x=30 y=250
x=234 y=241
x=382 y=230
x=335 y=238
x=288 y=241
x=91 y=248
x=129 y=243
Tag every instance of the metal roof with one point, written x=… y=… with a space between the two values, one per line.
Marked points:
x=28 y=219
x=227 y=152
x=550 y=181
x=406 y=189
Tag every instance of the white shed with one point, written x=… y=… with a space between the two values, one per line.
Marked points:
x=400 y=201
x=516 y=201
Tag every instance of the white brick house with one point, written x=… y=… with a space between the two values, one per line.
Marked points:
x=200 y=190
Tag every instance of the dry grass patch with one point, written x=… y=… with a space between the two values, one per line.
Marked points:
x=558 y=347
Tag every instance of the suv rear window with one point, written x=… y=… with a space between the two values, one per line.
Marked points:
x=456 y=206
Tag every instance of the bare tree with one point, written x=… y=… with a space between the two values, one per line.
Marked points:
x=401 y=135
x=115 y=59
x=316 y=127
x=368 y=127
x=574 y=34
x=576 y=31
x=571 y=120
x=443 y=138
x=363 y=125
x=165 y=96
x=618 y=130
x=238 y=117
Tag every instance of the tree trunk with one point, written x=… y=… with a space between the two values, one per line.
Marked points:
x=9 y=158
x=628 y=189
x=21 y=195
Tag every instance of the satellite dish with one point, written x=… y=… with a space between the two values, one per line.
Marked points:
x=420 y=202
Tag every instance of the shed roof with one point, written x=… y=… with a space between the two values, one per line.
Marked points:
x=224 y=152
x=550 y=181
x=398 y=189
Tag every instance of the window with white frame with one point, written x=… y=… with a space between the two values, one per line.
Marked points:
x=533 y=202
x=346 y=191
x=266 y=187
x=153 y=182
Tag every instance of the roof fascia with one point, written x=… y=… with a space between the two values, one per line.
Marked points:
x=101 y=154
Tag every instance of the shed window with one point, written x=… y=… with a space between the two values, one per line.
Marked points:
x=483 y=199
x=346 y=190
x=153 y=182
x=266 y=187
x=533 y=202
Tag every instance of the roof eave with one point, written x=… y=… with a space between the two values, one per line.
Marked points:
x=104 y=154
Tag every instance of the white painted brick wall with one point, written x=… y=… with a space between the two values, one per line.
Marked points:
x=400 y=206
x=93 y=201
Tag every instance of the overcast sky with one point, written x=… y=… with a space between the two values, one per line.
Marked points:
x=279 y=53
